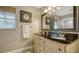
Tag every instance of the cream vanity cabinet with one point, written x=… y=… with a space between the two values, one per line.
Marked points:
x=45 y=45
x=72 y=48
x=38 y=44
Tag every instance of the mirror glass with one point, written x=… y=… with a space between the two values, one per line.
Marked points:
x=63 y=18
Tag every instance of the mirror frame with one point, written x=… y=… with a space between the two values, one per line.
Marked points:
x=42 y=16
x=74 y=20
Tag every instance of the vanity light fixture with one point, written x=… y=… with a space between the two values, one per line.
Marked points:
x=52 y=8
x=49 y=8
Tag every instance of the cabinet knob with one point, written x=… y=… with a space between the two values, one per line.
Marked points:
x=40 y=45
x=59 y=49
x=44 y=41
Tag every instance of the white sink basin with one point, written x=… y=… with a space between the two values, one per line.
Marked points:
x=60 y=38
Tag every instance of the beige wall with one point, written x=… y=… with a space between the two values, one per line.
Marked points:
x=12 y=39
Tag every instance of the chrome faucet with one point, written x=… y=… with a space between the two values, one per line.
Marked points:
x=61 y=35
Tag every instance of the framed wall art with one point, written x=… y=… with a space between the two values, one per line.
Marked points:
x=25 y=16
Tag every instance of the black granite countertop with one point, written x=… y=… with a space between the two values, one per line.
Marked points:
x=60 y=41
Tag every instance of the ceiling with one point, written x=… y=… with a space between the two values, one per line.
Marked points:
x=64 y=10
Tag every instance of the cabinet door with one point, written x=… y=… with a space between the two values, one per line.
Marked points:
x=36 y=44
x=41 y=45
x=78 y=45
x=55 y=47
x=72 y=48
x=59 y=48
x=47 y=48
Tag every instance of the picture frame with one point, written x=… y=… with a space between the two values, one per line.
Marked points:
x=25 y=16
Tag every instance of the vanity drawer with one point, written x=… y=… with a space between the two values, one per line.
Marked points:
x=58 y=49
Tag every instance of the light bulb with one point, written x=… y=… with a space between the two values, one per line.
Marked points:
x=49 y=8
x=45 y=10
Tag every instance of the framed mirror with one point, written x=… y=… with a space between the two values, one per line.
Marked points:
x=64 y=18
x=45 y=21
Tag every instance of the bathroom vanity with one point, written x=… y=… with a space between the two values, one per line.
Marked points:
x=63 y=28
x=43 y=44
